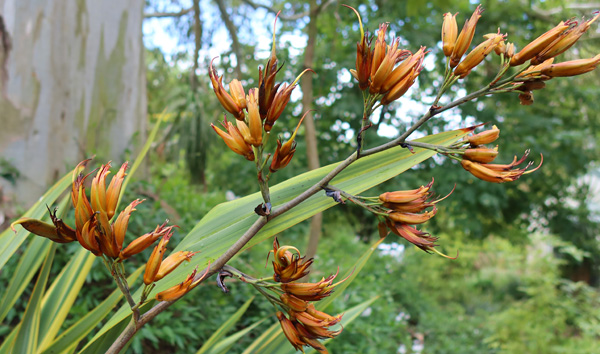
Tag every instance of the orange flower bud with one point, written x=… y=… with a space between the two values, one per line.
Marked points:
x=477 y=55
x=572 y=67
x=379 y=50
x=87 y=236
x=364 y=56
x=114 y=190
x=411 y=218
x=564 y=42
x=537 y=45
x=485 y=137
x=237 y=93
x=60 y=235
x=482 y=172
x=254 y=120
x=535 y=71
x=234 y=140
x=385 y=69
x=293 y=302
x=177 y=291
x=465 y=37
x=403 y=70
x=332 y=320
x=290 y=331
x=483 y=155
x=153 y=264
x=421 y=239
x=120 y=225
x=98 y=190
x=281 y=99
x=173 y=261
x=406 y=196
x=449 y=33
x=266 y=79
x=225 y=98
x=284 y=152
x=141 y=243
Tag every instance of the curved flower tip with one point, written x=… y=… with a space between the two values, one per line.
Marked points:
x=531 y=163
x=362 y=31
x=472 y=128
x=443 y=255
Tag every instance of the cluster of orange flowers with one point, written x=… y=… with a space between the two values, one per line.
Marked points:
x=405 y=209
x=256 y=113
x=94 y=231
x=376 y=68
x=476 y=159
x=305 y=325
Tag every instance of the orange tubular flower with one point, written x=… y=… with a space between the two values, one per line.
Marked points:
x=290 y=331
x=403 y=70
x=482 y=154
x=536 y=46
x=485 y=137
x=477 y=55
x=153 y=264
x=59 y=232
x=173 y=261
x=364 y=55
x=237 y=93
x=266 y=79
x=141 y=243
x=120 y=225
x=284 y=152
x=449 y=33
x=114 y=190
x=293 y=302
x=412 y=218
x=572 y=67
x=177 y=291
x=403 y=85
x=254 y=120
x=312 y=291
x=385 y=68
x=406 y=196
x=465 y=37
x=225 y=98
x=421 y=239
x=234 y=139
x=379 y=50
x=564 y=42
x=281 y=99
x=484 y=172
x=288 y=266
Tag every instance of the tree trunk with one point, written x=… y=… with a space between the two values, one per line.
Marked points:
x=309 y=124
x=75 y=86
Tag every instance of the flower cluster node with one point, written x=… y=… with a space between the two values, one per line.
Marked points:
x=304 y=325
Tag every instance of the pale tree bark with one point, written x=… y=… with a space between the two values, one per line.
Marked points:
x=309 y=123
x=75 y=86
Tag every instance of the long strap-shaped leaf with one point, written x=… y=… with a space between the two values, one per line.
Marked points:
x=226 y=326
x=27 y=339
x=225 y=223
x=61 y=295
x=29 y=263
x=69 y=339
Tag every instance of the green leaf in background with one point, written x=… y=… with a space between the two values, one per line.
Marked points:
x=224 y=345
x=61 y=295
x=225 y=223
x=27 y=339
x=221 y=331
x=29 y=263
x=69 y=339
